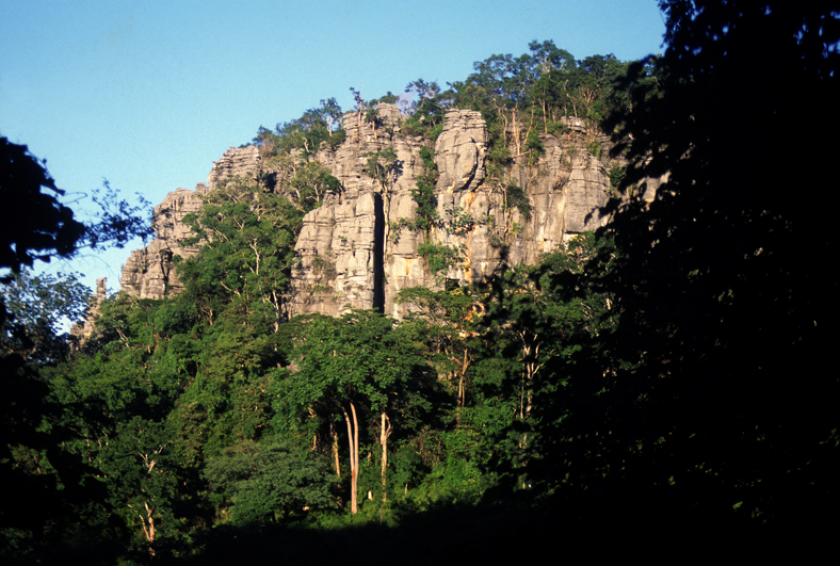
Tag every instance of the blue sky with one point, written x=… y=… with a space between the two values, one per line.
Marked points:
x=148 y=94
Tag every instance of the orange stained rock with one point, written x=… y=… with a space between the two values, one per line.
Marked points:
x=470 y=198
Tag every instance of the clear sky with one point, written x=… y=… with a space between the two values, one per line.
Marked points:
x=147 y=94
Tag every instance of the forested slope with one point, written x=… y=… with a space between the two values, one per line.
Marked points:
x=657 y=386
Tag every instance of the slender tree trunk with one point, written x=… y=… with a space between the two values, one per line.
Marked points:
x=149 y=531
x=383 y=438
x=355 y=479
x=313 y=415
x=462 y=389
x=354 y=470
x=545 y=116
x=516 y=133
x=334 y=435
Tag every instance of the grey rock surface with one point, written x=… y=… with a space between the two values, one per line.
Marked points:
x=352 y=257
x=358 y=251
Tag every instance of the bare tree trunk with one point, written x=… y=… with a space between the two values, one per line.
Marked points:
x=353 y=459
x=149 y=531
x=355 y=478
x=545 y=115
x=383 y=438
x=334 y=435
x=315 y=436
x=462 y=389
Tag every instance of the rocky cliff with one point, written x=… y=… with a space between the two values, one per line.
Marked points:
x=357 y=251
x=362 y=246
x=149 y=272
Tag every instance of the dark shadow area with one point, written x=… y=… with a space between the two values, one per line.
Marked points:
x=587 y=529
x=378 y=250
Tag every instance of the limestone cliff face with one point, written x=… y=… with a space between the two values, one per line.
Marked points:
x=149 y=272
x=354 y=255
x=358 y=250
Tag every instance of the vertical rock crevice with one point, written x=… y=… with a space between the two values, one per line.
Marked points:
x=379 y=249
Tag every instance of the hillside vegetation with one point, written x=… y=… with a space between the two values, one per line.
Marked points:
x=659 y=386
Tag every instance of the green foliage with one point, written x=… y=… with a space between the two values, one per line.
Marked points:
x=535 y=146
x=383 y=167
x=438 y=257
x=268 y=481
x=36 y=307
x=48 y=227
x=594 y=148
x=358 y=354
x=457 y=221
x=426 y=212
x=389 y=98
x=447 y=321
x=245 y=266
x=310 y=183
x=427 y=154
x=43 y=227
x=335 y=139
x=616 y=175
x=46 y=487
x=424 y=193
x=359 y=368
x=318 y=127
x=717 y=284
x=516 y=197
x=435 y=132
x=545 y=85
x=543 y=323
x=498 y=158
x=118 y=221
x=394 y=229
x=372 y=116
x=556 y=129
x=425 y=112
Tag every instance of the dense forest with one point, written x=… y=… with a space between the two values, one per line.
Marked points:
x=662 y=386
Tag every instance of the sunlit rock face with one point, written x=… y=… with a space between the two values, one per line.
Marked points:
x=358 y=250
x=352 y=257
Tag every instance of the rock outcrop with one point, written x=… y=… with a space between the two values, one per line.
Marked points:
x=149 y=272
x=357 y=250
x=362 y=246
x=81 y=332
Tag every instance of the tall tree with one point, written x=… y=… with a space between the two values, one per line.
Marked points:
x=357 y=368
x=245 y=266
x=718 y=385
x=546 y=321
x=40 y=478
